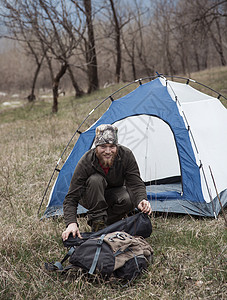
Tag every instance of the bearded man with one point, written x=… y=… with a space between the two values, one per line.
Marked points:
x=107 y=182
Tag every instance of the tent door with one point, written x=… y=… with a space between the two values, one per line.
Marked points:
x=153 y=144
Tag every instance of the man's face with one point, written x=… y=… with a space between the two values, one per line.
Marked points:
x=106 y=154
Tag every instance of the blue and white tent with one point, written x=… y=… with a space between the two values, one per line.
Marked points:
x=179 y=138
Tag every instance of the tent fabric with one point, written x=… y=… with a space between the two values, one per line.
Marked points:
x=174 y=131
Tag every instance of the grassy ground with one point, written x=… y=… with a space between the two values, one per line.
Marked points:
x=190 y=253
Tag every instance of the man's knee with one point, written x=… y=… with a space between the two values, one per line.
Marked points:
x=125 y=202
x=93 y=198
x=96 y=180
x=119 y=199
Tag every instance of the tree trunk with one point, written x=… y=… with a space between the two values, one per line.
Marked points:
x=218 y=42
x=91 y=53
x=133 y=62
x=32 y=97
x=118 y=43
x=133 y=68
x=205 y=56
x=170 y=59
x=56 y=82
x=196 y=55
x=77 y=89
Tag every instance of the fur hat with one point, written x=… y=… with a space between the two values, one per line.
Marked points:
x=106 y=134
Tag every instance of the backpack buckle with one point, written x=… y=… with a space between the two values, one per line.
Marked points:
x=100 y=240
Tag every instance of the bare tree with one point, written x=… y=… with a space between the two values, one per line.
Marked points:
x=203 y=22
x=49 y=22
x=117 y=27
x=78 y=90
x=87 y=45
x=91 y=53
x=19 y=30
x=134 y=38
x=162 y=24
x=55 y=35
x=140 y=18
x=213 y=22
x=68 y=37
x=115 y=16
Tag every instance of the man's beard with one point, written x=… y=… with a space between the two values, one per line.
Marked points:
x=106 y=162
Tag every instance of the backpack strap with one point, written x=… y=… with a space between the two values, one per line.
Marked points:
x=136 y=261
x=97 y=253
x=58 y=264
x=70 y=252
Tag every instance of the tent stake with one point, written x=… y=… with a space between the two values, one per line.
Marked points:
x=218 y=196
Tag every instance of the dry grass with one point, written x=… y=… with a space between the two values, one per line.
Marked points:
x=190 y=253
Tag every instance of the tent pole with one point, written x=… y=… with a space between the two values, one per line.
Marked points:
x=44 y=195
x=218 y=196
x=208 y=189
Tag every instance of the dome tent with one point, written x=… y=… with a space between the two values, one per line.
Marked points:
x=178 y=136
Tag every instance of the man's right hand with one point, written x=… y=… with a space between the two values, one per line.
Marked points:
x=72 y=228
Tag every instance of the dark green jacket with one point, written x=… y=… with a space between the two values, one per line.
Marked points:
x=124 y=171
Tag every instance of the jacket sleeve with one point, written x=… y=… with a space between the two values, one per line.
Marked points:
x=76 y=190
x=133 y=180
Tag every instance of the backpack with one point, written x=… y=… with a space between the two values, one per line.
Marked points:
x=116 y=253
x=138 y=224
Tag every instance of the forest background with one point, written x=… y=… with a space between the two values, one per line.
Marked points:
x=69 y=46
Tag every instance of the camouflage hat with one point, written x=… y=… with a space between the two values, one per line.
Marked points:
x=106 y=134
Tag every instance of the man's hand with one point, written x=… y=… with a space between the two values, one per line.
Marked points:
x=145 y=206
x=72 y=228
